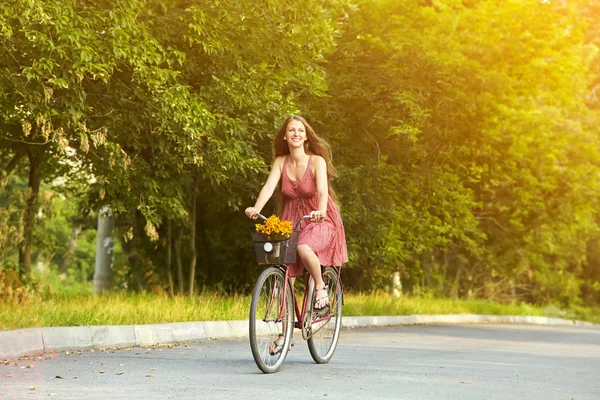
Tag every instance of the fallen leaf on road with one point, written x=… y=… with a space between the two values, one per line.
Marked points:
x=59 y=377
x=120 y=372
x=152 y=369
x=464 y=382
x=148 y=376
x=32 y=388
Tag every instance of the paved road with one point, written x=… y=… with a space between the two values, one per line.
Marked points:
x=409 y=362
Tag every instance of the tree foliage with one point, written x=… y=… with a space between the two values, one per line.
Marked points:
x=464 y=132
x=473 y=115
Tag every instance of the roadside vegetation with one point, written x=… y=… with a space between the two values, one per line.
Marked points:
x=50 y=305
x=145 y=308
x=465 y=135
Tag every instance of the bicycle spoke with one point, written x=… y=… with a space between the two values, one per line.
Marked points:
x=326 y=328
x=269 y=318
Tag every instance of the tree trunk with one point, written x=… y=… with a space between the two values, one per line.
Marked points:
x=193 y=253
x=443 y=285
x=396 y=284
x=177 y=246
x=104 y=252
x=204 y=258
x=31 y=210
x=425 y=264
x=169 y=257
x=11 y=165
x=457 y=279
x=75 y=231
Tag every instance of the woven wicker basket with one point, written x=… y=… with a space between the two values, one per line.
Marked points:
x=283 y=251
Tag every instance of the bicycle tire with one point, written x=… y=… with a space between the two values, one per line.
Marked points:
x=325 y=335
x=265 y=324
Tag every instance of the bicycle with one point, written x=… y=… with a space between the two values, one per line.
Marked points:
x=274 y=305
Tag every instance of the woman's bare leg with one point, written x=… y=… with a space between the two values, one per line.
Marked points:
x=313 y=266
x=279 y=341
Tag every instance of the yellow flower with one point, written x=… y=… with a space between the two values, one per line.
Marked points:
x=273 y=226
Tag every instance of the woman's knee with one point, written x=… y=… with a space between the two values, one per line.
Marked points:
x=304 y=250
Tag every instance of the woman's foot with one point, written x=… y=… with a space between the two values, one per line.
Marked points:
x=277 y=345
x=321 y=298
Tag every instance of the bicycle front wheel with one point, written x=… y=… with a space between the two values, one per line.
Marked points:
x=326 y=326
x=271 y=315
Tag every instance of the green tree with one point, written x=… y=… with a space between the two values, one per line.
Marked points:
x=245 y=68
x=476 y=106
x=59 y=60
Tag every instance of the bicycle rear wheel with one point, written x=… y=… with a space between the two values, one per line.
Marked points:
x=270 y=315
x=326 y=328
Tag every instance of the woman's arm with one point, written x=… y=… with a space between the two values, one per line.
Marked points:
x=268 y=189
x=320 y=168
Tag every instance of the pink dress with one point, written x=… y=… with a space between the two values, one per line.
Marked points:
x=327 y=238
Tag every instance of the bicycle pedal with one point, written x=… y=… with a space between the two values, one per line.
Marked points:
x=321 y=313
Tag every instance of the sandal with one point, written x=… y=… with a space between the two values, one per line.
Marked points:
x=326 y=297
x=278 y=347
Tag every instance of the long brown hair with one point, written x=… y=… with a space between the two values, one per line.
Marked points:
x=313 y=145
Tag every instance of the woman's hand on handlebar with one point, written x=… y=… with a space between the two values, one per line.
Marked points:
x=317 y=215
x=251 y=213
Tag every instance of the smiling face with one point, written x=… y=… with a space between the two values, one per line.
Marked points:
x=295 y=134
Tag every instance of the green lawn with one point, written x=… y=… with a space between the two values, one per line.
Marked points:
x=121 y=309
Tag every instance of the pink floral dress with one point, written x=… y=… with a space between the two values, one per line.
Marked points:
x=327 y=238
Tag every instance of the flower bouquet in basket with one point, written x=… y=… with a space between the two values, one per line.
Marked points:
x=275 y=242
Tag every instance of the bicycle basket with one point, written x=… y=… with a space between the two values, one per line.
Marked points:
x=275 y=252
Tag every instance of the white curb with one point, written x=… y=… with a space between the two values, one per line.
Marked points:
x=361 y=322
x=37 y=341
x=67 y=338
x=21 y=342
x=112 y=336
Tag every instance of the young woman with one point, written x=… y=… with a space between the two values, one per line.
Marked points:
x=303 y=165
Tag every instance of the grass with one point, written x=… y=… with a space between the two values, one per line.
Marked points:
x=129 y=309
x=363 y=304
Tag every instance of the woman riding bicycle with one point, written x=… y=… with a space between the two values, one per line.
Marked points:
x=303 y=166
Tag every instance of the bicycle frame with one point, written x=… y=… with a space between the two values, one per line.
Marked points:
x=299 y=313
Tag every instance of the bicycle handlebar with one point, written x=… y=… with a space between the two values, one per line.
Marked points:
x=297 y=222
x=261 y=216
x=300 y=219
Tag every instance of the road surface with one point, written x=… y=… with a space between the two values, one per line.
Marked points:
x=409 y=362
